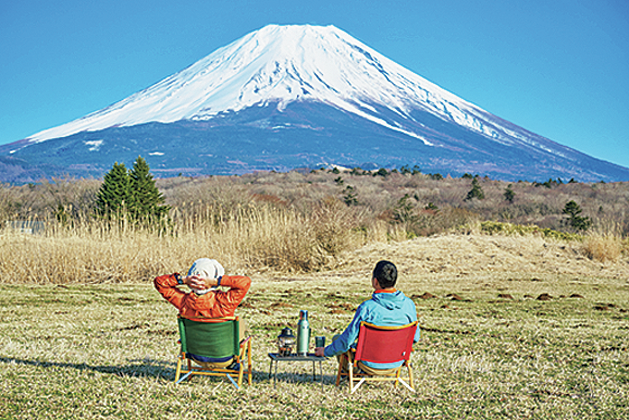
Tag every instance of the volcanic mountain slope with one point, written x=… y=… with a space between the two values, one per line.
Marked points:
x=294 y=96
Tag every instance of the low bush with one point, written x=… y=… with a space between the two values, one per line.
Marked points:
x=602 y=248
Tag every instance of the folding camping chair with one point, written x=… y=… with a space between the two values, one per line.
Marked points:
x=213 y=348
x=379 y=345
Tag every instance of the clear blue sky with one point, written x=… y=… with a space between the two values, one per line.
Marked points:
x=559 y=68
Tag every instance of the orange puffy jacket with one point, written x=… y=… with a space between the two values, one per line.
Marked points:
x=214 y=304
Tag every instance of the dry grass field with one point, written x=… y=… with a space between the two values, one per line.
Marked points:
x=521 y=321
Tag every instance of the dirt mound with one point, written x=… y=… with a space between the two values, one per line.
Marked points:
x=280 y=305
x=454 y=296
x=341 y=308
x=544 y=296
x=424 y=296
x=604 y=306
x=469 y=254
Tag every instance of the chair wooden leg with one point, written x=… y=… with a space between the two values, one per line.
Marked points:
x=410 y=375
x=240 y=372
x=350 y=367
x=178 y=371
x=249 y=368
x=397 y=377
x=340 y=369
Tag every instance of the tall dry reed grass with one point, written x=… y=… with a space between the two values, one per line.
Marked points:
x=245 y=237
x=286 y=222
x=602 y=248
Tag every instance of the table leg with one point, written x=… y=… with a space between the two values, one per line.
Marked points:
x=321 y=372
x=275 y=377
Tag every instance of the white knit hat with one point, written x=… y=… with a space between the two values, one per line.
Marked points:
x=207 y=269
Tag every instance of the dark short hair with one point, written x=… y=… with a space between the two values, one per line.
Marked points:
x=386 y=274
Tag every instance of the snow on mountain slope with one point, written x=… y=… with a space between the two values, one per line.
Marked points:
x=281 y=64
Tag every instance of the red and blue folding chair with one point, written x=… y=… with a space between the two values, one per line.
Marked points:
x=377 y=344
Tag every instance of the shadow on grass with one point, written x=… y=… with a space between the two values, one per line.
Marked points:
x=143 y=368
x=137 y=367
x=276 y=375
x=291 y=377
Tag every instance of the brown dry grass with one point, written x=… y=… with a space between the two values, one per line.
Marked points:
x=293 y=222
x=263 y=243
x=602 y=247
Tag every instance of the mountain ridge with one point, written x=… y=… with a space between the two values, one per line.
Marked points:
x=284 y=72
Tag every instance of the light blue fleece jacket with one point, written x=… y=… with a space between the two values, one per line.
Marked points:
x=383 y=309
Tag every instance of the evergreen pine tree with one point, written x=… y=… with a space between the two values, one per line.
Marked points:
x=509 y=194
x=349 y=197
x=579 y=223
x=476 y=191
x=113 y=196
x=146 y=201
x=404 y=211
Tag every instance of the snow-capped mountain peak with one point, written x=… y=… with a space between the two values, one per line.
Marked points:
x=300 y=96
x=283 y=64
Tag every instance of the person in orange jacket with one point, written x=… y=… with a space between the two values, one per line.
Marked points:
x=205 y=300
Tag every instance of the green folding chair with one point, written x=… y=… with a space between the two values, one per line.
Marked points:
x=213 y=349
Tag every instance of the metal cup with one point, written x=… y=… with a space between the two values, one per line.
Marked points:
x=320 y=341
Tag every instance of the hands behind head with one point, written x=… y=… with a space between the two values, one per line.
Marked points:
x=199 y=283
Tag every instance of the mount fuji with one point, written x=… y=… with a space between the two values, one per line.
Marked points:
x=284 y=97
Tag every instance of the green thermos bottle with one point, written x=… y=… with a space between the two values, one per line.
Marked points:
x=303 y=333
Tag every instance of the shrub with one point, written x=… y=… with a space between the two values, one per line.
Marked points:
x=602 y=248
x=381 y=172
x=404 y=211
x=431 y=206
x=405 y=170
x=334 y=227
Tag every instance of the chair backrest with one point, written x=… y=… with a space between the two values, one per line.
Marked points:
x=379 y=344
x=209 y=339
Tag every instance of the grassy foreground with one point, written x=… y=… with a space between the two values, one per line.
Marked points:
x=489 y=348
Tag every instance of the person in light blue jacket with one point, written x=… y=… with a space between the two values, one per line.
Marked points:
x=387 y=307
